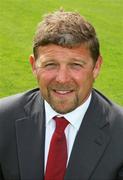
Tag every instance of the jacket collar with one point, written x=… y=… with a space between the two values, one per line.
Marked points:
x=91 y=140
x=30 y=132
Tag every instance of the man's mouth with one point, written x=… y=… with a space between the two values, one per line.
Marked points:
x=63 y=92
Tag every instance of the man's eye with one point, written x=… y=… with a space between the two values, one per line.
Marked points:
x=50 y=65
x=76 y=65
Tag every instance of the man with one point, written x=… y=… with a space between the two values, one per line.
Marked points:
x=66 y=61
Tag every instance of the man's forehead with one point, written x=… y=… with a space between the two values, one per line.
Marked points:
x=57 y=53
x=53 y=50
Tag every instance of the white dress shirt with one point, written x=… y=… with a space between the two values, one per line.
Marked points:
x=75 y=119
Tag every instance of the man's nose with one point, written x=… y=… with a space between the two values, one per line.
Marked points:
x=63 y=75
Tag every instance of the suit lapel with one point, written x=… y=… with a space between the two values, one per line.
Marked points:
x=30 y=141
x=91 y=141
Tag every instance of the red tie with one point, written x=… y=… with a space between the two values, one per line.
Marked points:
x=57 y=157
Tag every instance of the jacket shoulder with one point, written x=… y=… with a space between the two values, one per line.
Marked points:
x=15 y=104
x=114 y=111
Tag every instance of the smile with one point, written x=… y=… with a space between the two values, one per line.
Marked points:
x=62 y=92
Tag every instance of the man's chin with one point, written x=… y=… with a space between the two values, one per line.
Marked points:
x=63 y=109
x=63 y=104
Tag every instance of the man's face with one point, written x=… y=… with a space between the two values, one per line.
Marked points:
x=65 y=75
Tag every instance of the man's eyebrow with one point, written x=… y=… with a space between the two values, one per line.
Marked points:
x=48 y=60
x=80 y=60
x=43 y=61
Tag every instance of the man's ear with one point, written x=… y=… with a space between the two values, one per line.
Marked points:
x=97 y=67
x=33 y=64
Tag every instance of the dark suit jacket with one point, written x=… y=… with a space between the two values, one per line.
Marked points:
x=97 y=153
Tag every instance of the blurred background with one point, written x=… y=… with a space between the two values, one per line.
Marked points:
x=18 y=22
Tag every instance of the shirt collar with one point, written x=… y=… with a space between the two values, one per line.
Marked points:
x=75 y=117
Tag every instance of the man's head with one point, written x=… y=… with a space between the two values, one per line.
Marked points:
x=66 y=60
x=67 y=29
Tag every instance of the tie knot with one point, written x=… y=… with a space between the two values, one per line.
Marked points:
x=61 y=124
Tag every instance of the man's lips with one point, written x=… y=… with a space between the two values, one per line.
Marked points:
x=62 y=92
